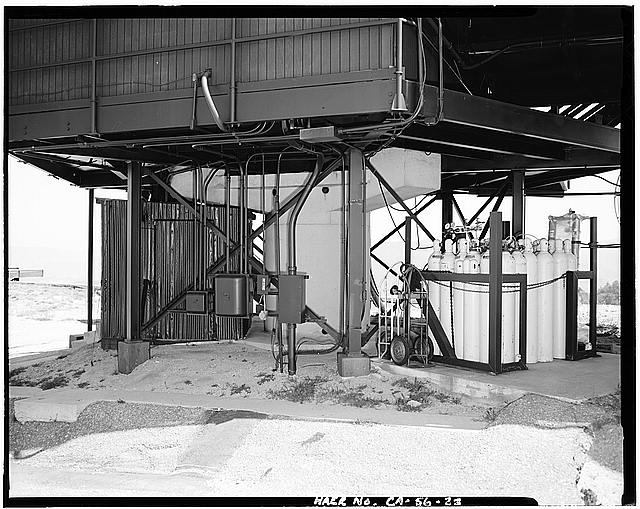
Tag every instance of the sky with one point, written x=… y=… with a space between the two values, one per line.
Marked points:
x=48 y=223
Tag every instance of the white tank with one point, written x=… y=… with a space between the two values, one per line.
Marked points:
x=447 y=264
x=508 y=311
x=471 y=297
x=434 y=288
x=545 y=304
x=532 y=303
x=520 y=268
x=484 y=311
x=560 y=264
x=458 y=301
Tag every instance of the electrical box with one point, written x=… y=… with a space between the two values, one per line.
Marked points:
x=319 y=134
x=232 y=295
x=262 y=284
x=196 y=303
x=292 y=297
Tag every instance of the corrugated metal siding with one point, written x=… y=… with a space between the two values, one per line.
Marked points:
x=51 y=60
x=167 y=265
x=44 y=62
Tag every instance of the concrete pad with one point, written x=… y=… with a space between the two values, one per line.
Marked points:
x=571 y=381
x=353 y=366
x=214 y=445
x=44 y=409
x=16 y=391
x=323 y=412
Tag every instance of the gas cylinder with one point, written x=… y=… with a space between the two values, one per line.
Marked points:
x=572 y=260
x=560 y=263
x=545 y=304
x=484 y=311
x=434 y=289
x=471 y=297
x=508 y=310
x=520 y=268
x=447 y=264
x=458 y=301
x=532 y=303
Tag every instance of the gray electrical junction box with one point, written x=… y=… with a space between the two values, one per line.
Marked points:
x=292 y=294
x=231 y=295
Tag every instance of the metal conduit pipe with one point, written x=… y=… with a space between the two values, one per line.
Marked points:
x=227 y=203
x=399 y=103
x=291 y=258
x=207 y=181
x=242 y=223
x=194 y=183
x=212 y=107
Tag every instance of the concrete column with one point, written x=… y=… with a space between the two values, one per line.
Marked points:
x=132 y=351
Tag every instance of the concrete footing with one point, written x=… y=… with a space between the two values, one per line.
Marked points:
x=353 y=366
x=131 y=354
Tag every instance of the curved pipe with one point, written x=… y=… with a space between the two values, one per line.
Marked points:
x=293 y=219
x=212 y=107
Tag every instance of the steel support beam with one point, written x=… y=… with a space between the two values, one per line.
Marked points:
x=399 y=227
x=90 y=263
x=497 y=116
x=495 y=292
x=495 y=209
x=356 y=281
x=486 y=203
x=517 y=204
x=447 y=209
x=133 y=252
x=397 y=197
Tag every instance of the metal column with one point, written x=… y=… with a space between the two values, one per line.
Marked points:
x=593 y=288
x=90 y=264
x=517 y=204
x=133 y=251
x=354 y=363
x=132 y=351
x=495 y=292
x=447 y=210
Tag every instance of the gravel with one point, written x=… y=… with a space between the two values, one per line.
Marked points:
x=600 y=416
x=106 y=416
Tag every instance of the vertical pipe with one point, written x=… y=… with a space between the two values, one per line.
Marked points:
x=495 y=292
x=194 y=261
x=399 y=103
x=407 y=262
x=292 y=268
x=133 y=252
x=242 y=222
x=593 y=286
x=343 y=243
x=90 y=264
x=247 y=229
x=227 y=204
